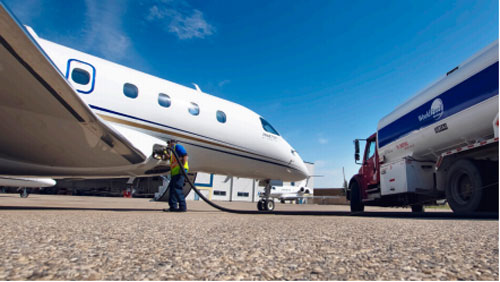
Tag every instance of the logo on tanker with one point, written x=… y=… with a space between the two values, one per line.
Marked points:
x=436 y=111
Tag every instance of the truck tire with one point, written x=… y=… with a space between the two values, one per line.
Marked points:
x=489 y=173
x=356 y=203
x=417 y=208
x=464 y=189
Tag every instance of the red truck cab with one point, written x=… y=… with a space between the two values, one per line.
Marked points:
x=368 y=177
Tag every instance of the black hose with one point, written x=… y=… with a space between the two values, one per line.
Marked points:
x=214 y=205
x=339 y=213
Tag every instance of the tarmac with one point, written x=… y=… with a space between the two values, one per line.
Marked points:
x=99 y=238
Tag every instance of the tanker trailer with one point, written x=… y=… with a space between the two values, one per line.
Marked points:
x=440 y=144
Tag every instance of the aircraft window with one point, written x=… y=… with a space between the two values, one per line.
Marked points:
x=219 y=193
x=130 y=90
x=243 y=194
x=221 y=116
x=194 y=109
x=164 y=100
x=268 y=127
x=80 y=76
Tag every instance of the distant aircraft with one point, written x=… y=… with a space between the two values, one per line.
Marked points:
x=290 y=193
x=25 y=184
x=295 y=192
x=67 y=114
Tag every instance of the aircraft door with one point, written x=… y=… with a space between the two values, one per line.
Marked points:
x=81 y=75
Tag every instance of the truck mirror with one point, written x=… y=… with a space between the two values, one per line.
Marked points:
x=356 y=150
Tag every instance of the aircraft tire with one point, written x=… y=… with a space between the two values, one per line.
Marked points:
x=24 y=193
x=269 y=205
x=261 y=205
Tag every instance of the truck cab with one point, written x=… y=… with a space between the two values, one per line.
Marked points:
x=369 y=171
x=365 y=187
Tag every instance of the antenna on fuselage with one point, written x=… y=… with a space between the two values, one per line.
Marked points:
x=197 y=87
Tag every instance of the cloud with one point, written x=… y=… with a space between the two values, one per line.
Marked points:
x=224 y=82
x=322 y=140
x=179 y=18
x=104 y=33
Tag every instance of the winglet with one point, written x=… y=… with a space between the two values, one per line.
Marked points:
x=197 y=87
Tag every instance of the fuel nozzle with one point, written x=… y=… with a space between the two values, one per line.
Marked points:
x=160 y=152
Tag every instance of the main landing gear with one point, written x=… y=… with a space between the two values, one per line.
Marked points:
x=23 y=192
x=266 y=203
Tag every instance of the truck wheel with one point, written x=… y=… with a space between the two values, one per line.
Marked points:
x=489 y=172
x=356 y=203
x=464 y=189
x=417 y=208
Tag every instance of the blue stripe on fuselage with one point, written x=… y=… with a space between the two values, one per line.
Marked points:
x=470 y=92
x=270 y=161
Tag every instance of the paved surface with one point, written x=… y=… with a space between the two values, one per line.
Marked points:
x=204 y=244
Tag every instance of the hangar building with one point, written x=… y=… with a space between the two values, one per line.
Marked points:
x=214 y=186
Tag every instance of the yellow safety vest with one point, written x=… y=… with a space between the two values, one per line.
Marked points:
x=175 y=169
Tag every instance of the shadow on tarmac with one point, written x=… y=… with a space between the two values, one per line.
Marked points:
x=409 y=215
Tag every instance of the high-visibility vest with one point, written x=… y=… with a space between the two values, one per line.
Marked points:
x=174 y=165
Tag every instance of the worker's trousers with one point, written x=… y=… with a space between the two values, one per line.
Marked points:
x=176 y=193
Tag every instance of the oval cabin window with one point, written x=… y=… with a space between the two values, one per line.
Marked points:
x=221 y=116
x=80 y=76
x=194 y=109
x=164 y=100
x=130 y=90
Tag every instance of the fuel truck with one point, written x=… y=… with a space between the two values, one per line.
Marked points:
x=440 y=144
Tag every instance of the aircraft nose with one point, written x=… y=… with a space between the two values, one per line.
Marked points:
x=300 y=166
x=303 y=169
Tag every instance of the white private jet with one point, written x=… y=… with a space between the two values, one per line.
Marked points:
x=67 y=114
x=291 y=193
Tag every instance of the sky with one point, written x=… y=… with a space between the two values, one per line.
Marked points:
x=323 y=73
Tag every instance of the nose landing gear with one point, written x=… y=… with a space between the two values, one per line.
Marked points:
x=266 y=203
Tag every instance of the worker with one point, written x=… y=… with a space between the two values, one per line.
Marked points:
x=177 y=177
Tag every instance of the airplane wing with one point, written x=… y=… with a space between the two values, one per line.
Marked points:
x=46 y=129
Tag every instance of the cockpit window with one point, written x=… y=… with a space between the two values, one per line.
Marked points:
x=268 y=127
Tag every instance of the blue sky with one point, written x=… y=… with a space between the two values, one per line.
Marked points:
x=322 y=72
